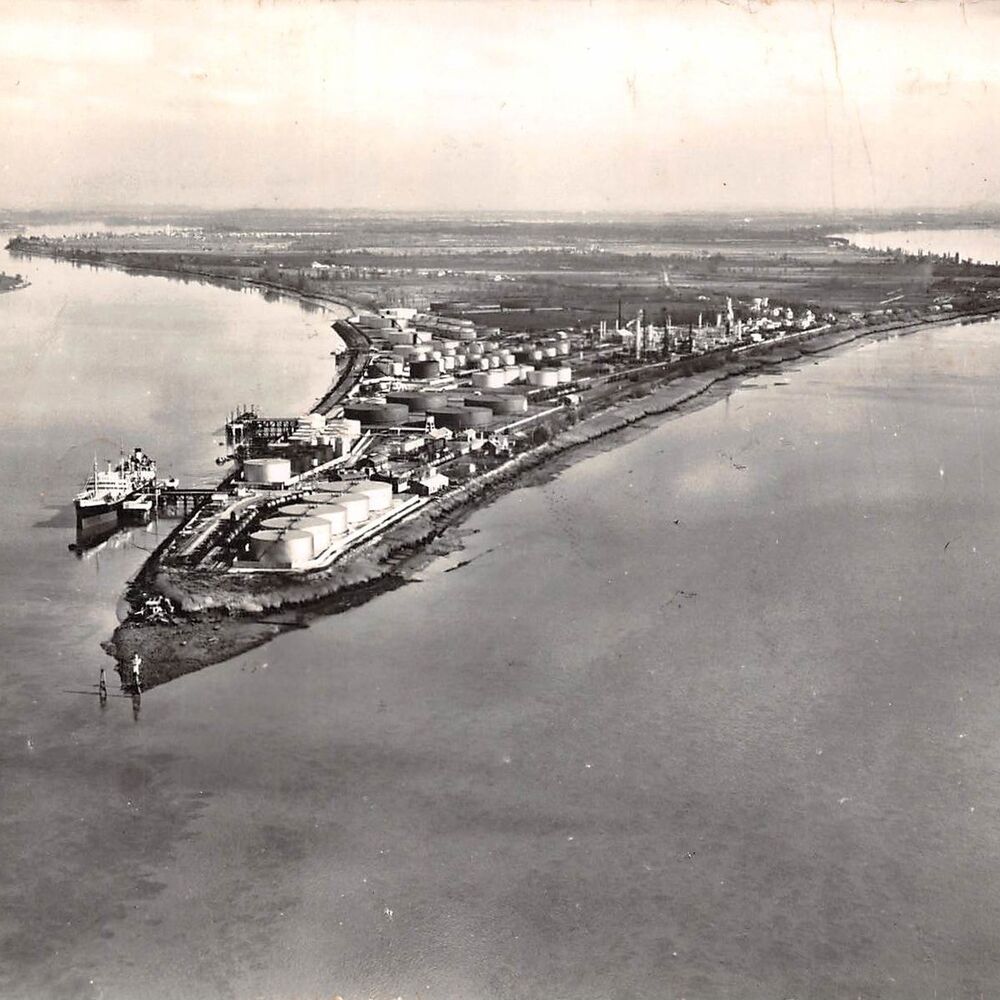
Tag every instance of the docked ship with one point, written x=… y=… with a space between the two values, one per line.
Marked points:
x=108 y=490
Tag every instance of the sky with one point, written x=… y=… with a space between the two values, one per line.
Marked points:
x=492 y=105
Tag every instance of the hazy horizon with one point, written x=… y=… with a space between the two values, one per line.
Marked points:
x=443 y=107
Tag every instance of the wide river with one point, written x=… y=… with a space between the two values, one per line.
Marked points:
x=711 y=714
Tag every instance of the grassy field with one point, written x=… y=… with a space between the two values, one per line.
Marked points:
x=565 y=273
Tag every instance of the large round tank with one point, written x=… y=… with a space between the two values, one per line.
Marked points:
x=317 y=527
x=544 y=378
x=377 y=414
x=356 y=506
x=334 y=513
x=488 y=380
x=499 y=404
x=449 y=362
x=564 y=374
x=549 y=352
x=463 y=418
x=294 y=510
x=425 y=369
x=267 y=470
x=419 y=402
x=562 y=348
x=507 y=358
x=286 y=549
x=379 y=494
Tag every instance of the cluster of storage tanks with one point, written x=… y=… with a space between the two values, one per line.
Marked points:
x=297 y=533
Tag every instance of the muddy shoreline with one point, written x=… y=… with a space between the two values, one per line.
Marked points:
x=214 y=624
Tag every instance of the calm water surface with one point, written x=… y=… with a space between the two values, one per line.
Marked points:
x=981 y=245
x=713 y=714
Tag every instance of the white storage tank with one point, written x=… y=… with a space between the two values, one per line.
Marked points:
x=449 y=362
x=379 y=494
x=335 y=514
x=562 y=348
x=564 y=374
x=267 y=470
x=317 y=527
x=544 y=378
x=507 y=358
x=356 y=505
x=488 y=379
x=285 y=549
x=511 y=373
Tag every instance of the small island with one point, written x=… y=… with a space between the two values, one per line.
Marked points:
x=12 y=282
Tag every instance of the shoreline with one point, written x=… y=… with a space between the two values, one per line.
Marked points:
x=220 y=617
x=206 y=633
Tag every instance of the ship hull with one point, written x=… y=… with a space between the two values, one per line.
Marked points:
x=92 y=515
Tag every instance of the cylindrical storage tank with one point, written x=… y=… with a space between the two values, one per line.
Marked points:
x=397 y=369
x=267 y=470
x=449 y=362
x=278 y=522
x=287 y=549
x=536 y=355
x=494 y=360
x=294 y=510
x=501 y=405
x=511 y=373
x=562 y=348
x=478 y=361
x=507 y=358
x=480 y=416
x=356 y=506
x=436 y=356
x=377 y=414
x=317 y=527
x=379 y=494
x=424 y=369
x=419 y=402
x=455 y=418
x=335 y=514
x=460 y=361
x=544 y=378
x=564 y=374
x=548 y=352
x=488 y=380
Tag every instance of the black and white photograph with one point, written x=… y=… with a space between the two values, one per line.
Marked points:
x=501 y=499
